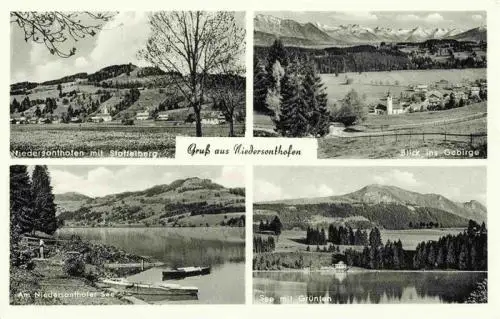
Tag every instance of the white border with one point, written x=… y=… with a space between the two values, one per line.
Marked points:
x=248 y=310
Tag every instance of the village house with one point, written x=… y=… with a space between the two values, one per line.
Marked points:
x=162 y=116
x=141 y=116
x=380 y=109
x=101 y=117
x=434 y=98
x=44 y=120
x=213 y=118
x=19 y=120
x=422 y=88
x=340 y=266
x=474 y=90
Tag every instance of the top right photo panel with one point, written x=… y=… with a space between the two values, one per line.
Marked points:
x=388 y=84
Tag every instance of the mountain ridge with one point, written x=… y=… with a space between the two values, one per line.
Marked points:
x=345 y=34
x=153 y=205
x=375 y=194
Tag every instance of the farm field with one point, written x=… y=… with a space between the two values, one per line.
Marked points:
x=376 y=84
x=87 y=137
x=422 y=118
x=292 y=240
x=371 y=142
x=387 y=147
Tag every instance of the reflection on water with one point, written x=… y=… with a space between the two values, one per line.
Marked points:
x=221 y=248
x=364 y=287
x=176 y=247
x=224 y=285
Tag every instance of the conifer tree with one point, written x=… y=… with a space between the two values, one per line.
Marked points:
x=21 y=212
x=316 y=101
x=292 y=121
x=43 y=200
x=261 y=85
x=277 y=52
x=14 y=106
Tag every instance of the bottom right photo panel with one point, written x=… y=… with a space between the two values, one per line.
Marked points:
x=349 y=235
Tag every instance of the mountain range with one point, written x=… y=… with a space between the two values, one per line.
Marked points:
x=382 y=203
x=161 y=204
x=293 y=33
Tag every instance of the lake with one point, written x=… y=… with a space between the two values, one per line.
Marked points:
x=364 y=287
x=222 y=248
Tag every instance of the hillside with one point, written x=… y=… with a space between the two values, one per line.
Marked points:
x=388 y=206
x=293 y=33
x=122 y=91
x=476 y=34
x=161 y=204
x=70 y=201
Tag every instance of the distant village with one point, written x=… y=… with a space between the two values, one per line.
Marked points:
x=81 y=107
x=440 y=95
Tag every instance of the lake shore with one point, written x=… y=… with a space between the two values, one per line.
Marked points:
x=47 y=282
x=365 y=270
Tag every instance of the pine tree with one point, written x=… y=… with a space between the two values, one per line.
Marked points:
x=316 y=101
x=43 y=200
x=292 y=121
x=451 y=256
x=277 y=52
x=462 y=257
x=261 y=85
x=14 y=106
x=25 y=104
x=21 y=212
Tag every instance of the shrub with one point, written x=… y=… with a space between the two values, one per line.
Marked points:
x=74 y=266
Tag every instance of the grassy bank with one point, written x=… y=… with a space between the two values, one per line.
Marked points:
x=68 y=275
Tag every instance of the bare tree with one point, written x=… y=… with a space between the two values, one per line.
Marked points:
x=228 y=93
x=53 y=28
x=194 y=44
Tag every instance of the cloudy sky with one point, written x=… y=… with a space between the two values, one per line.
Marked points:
x=99 y=181
x=117 y=43
x=391 y=19
x=457 y=183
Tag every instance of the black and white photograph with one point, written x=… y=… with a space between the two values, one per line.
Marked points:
x=118 y=235
x=123 y=84
x=369 y=235
x=381 y=84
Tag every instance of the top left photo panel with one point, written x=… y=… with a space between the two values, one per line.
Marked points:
x=123 y=84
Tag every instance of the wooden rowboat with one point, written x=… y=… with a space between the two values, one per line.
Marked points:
x=180 y=273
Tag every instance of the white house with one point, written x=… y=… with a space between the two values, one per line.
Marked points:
x=213 y=118
x=340 y=266
x=336 y=128
x=421 y=88
x=140 y=116
x=162 y=116
x=102 y=117
x=434 y=97
x=474 y=90
x=98 y=118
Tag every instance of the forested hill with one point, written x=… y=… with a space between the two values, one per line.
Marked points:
x=160 y=204
x=370 y=58
x=388 y=206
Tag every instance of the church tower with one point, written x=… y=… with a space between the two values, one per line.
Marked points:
x=389 y=103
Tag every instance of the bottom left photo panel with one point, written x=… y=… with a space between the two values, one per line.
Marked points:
x=115 y=235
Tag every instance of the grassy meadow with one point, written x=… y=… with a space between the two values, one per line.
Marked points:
x=87 y=137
